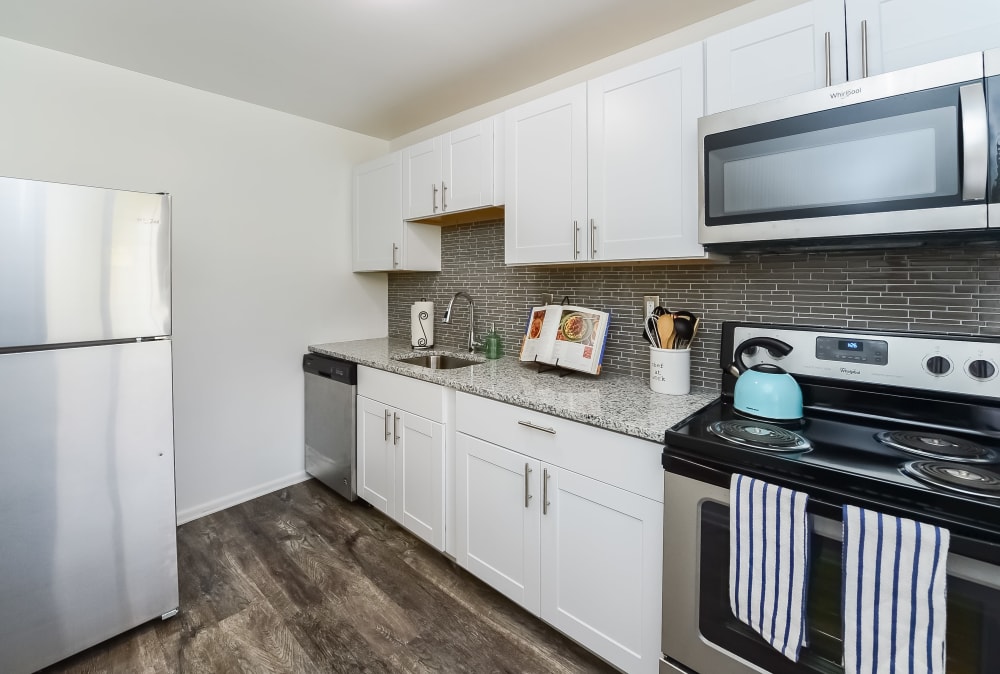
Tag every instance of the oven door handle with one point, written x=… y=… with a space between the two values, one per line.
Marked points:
x=825 y=506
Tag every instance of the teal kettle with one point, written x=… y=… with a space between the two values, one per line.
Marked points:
x=765 y=390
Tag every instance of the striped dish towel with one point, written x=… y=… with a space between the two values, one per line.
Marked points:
x=768 y=561
x=894 y=594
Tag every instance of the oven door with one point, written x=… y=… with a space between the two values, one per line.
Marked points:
x=849 y=160
x=701 y=634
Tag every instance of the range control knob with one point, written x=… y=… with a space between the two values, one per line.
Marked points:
x=938 y=365
x=982 y=370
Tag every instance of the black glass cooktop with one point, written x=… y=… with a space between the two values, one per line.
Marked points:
x=843 y=456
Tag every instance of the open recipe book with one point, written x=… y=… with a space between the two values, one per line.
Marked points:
x=567 y=336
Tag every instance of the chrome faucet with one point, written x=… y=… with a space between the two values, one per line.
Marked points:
x=472 y=317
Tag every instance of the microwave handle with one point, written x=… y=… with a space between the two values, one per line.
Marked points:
x=975 y=157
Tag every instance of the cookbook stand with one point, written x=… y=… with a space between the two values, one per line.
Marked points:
x=546 y=367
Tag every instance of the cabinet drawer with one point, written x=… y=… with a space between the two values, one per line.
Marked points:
x=413 y=395
x=625 y=462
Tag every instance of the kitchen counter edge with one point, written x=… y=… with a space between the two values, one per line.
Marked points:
x=610 y=401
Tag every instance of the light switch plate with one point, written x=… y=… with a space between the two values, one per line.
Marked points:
x=649 y=302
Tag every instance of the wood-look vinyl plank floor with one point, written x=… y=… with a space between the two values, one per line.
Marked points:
x=302 y=581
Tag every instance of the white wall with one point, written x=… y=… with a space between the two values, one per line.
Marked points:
x=261 y=246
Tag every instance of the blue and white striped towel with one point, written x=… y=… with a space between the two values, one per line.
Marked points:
x=769 y=561
x=894 y=594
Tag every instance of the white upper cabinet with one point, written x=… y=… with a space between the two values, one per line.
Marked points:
x=378 y=219
x=905 y=33
x=459 y=171
x=422 y=179
x=382 y=240
x=786 y=53
x=607 y=170
x=643 y=163
x=778 y=55
x=546 y=169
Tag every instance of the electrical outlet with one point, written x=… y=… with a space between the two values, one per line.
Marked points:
x=649 y=302
x=546 y=299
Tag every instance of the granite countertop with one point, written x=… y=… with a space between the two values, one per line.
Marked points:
x=611 y=401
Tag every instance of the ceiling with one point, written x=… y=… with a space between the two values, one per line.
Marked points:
x=378 y=67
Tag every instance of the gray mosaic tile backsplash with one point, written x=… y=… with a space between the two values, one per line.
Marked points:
x=941 y=290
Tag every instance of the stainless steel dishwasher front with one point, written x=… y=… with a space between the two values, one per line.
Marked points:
x=331 y=387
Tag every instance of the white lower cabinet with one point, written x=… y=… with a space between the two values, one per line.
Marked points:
x=498 y=518
x=583 y=554
x=598 y=573
x=401 y=467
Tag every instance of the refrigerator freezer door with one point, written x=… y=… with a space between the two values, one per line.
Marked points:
x=81 y=264
x=87 y=514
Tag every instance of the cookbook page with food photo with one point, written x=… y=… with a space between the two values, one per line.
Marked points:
x=567 y=336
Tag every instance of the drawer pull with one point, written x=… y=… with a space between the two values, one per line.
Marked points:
x=527 y=472
x=395 y=428
x=544 y=429
x=388 y=432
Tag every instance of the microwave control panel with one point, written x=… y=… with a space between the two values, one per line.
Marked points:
x=853 y=350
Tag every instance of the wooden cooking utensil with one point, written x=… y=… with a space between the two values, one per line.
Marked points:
x=665 y=328
x=695 y=330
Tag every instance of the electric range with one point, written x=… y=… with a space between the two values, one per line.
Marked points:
x=907 y=424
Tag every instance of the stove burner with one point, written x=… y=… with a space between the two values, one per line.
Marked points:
x=938 y=446
x=758 y=435
x=962 y=478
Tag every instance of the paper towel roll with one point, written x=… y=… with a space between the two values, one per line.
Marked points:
x=422 y=325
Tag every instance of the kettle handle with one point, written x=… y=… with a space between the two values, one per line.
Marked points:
x=775 y=346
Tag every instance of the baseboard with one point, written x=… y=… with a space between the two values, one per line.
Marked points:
x=190 y=514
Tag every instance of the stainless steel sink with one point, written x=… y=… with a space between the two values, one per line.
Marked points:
x=439 y=362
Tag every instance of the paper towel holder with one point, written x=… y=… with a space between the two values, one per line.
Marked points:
x=422 y=338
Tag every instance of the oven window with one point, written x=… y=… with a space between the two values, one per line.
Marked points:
x=973 y=610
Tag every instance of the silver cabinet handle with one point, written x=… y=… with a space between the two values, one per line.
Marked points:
x=395 y=428
x=434 y=196
x=545 y=491
x=593 y=239
x=527 y=472
x=444 y=202
x=975 y=142
x=576 y=240
x=864 y=49
x=829 y=68
x=544 y=429
x=388 y=432
x=395 y=249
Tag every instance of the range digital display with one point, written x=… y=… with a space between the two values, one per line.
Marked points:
x=851 y=345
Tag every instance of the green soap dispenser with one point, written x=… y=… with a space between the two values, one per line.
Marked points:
x=491 y=345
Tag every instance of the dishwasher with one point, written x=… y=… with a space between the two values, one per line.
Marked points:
x=331 y=386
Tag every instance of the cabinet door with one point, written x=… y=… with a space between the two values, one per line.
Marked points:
x=422 y=179
x=467 y=167
x=376 y=454
x=378 y=214
x=776 y=56
x=546 y=168
x=497 y=518
x=905 y=33
x=643 y=163
x=601 y=568
x=419 y=503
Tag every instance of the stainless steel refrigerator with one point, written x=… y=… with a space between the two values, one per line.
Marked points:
x=88 y=545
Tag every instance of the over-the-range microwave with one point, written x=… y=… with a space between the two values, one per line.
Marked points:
x=907 y=157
